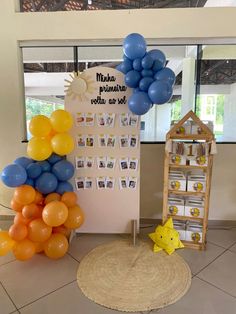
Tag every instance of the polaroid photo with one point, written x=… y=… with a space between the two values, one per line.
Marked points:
x=80 y=119
x=79 y=182
x=133 y=164
x=133 y=120
x=124 y=119
x=89 y=140
x=124 y=141
x=123 y=183
x=101 y=183
x=111 y=161
x=124 y=163
x=101 y=162
x=101 y=119
x=81 y=140
x=110 y=183
x=89 y=119
x=110 y=120
x=88 y=183
x=132 y=183
x=111 y=140
x=133 y=141
x=79 y=161
x=102 y=140
x=89 y=161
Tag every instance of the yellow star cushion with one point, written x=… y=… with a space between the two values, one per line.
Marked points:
x=166 y=238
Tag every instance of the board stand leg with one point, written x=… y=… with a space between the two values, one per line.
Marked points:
x=134 y=231
x=72 y=235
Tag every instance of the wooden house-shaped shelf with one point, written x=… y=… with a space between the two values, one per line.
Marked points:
x=188 y=155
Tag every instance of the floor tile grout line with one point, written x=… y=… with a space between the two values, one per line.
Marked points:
x=225 y=250
x=7 y=263
x=216 y=244
x=8 y=295
x=233 y=296
x=45 y=295
x=73 y=257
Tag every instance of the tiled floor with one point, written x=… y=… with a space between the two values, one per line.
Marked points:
x=45 y=286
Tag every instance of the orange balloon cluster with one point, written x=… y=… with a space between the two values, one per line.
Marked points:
x=41 y=224
x=50 y=135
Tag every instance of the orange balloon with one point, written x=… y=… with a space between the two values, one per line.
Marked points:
x=63 y=230
x=19 y=218
x=38 y=198
x=52 y=197
x=75 y=217
x=39 y=247
x=24 y=194
x=56 y=246
x=18 y=232
x=38 y=231
x=55 y=213
x=69 y=198
x=24 y=250
x=16 y=206
x=31 y=211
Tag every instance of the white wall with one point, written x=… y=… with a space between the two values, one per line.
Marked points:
x=178 y=25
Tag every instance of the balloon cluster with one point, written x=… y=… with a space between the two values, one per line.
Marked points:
x=50 y=135
x=146 y=73
x=45 y=204
x=41 y=224
x=46 y=176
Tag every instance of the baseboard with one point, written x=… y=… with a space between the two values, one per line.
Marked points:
x=211 y=223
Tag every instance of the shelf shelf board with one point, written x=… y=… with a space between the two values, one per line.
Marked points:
x=205 y=137
x=176 y=217
x=187 y=193
x=192 y=245
x=187 y=167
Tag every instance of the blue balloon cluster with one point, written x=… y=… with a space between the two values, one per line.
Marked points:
x=146 y=73
x=46 y=176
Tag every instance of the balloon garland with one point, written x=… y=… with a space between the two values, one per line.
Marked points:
x=45 y=204
x=146 y=73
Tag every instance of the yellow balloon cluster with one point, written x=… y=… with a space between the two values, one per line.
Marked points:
x=50 y=135
x=41 y=224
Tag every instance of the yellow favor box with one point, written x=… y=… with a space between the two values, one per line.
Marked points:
x=177 y=181
x=196 y=183
x=175 y=206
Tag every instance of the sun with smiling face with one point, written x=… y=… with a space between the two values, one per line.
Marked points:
x=80 y=86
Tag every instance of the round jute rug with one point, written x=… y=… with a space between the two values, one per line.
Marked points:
x=122 y=277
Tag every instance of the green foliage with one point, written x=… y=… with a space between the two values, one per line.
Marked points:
x=176 y=110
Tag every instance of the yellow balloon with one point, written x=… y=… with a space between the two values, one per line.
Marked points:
x=62 y=144
x=57 y=246
x=61 y=120
x=39 y=148
x=40 y=126
x=6 y=243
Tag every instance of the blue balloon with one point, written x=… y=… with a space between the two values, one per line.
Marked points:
x=159 y=59
x=134 y=46
x=132 y=78
x=160 y=92
x=64 y=187
x=14 y=175
x=54 y=158
x=29 y=182
x=23 y=161
x=118 y=67
x=63 y=170
x=46 y=183
x=167 y=75
x=147 y=73
x=33 y=170
x=144 y=83
x=139 y=103
x=135 y=90
x=137 y=64
x=45 y=165
x=126 y=66
x=147 y=62
x=126 y=58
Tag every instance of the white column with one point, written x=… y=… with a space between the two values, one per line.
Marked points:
x=188 y=85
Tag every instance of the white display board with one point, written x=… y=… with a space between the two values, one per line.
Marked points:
x=107 y=151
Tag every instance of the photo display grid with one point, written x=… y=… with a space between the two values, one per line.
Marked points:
x=105 y=182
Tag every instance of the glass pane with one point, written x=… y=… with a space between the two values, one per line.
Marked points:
x=216 y=101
